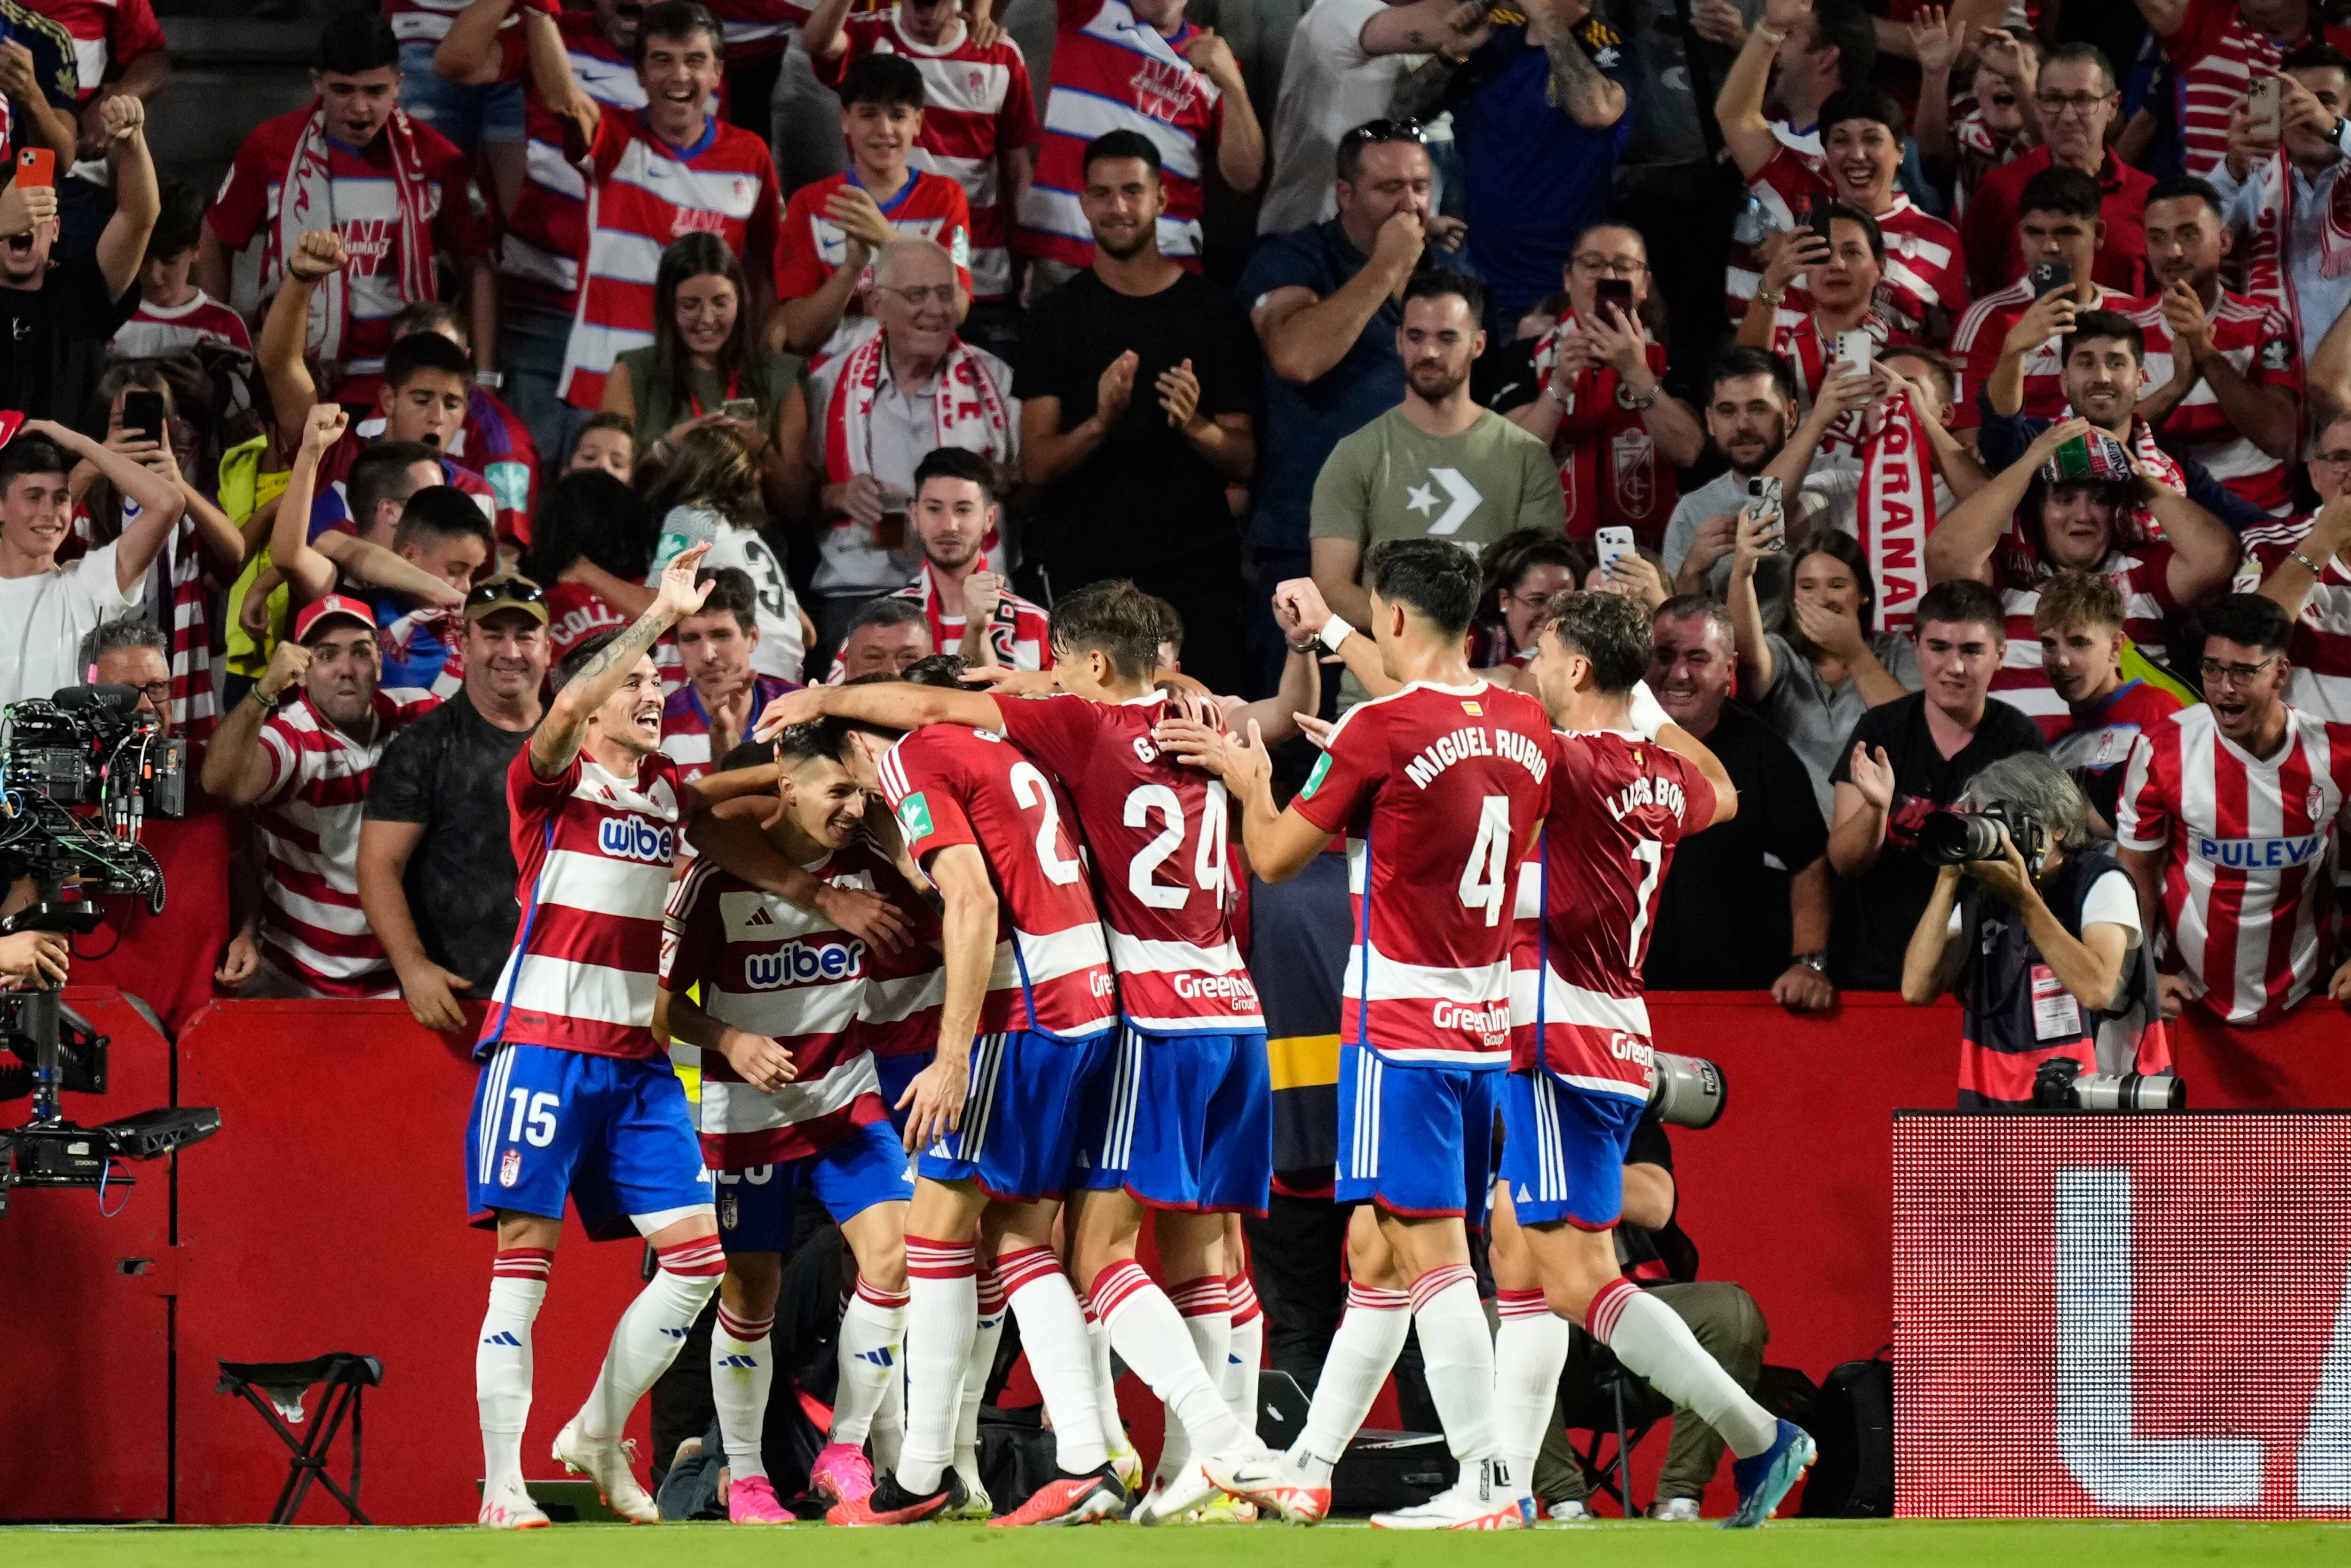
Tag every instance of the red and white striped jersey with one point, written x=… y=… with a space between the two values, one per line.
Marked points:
x=593 y=852
x=686 y=723
x=155 y=330
x=1439 y=791
x=977 y=106
x=906 y=988
x=2250 y=851
x=928 y=207
x=1585 y=902
x=770 y=967
x=1157 y=831
x=642 y=195
x=313 y=931
x=1810 y=355
x=2217 y=56
x=2141 y=574
x=575 y=612
x=951 y=786
x=756 y=28
x=1114 y=72
x=2321 y=650
x=1976 y=340
x=2258 y=339
x=108 y=35
x=1924 y=266
x=547 y=234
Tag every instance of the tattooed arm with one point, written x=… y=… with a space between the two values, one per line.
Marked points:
x=1418 y=93
x=1577 y=86
x=560 y=734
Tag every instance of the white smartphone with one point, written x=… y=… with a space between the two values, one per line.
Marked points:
x=2262 y=105
x=1612 y=544
x=1764 y=499
x=1857 y=348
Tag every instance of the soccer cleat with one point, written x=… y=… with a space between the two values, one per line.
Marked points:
x=1480 y=1499
x=977 y=1504
x=1223 y=1510
x=507 y=1506
x=1569 y=1511
x=611 y=1466
x=1766 y=1478
x=1271 y=1483
x=890 y=1503
x=1128 y=1466
x=1675 y=1510
x=752 y=1501
x=842 y=1473
x=1175 y=1503
x=1070 y=1500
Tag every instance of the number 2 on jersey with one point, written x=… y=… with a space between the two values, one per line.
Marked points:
x=1486 y=880
x=1030 y=787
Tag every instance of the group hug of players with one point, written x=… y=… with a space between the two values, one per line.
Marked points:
x=997 y=1029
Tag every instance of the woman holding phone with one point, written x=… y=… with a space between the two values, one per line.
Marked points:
x=1846 y=326
x=706 y=364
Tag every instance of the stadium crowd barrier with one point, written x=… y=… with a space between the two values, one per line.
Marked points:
x=328 y=1215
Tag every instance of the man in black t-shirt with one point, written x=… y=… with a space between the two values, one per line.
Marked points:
x=1766 y=864
x=57 y=317
x=1138 y=394
x=1908 y=760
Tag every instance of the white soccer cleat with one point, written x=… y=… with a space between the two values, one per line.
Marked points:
x=507 y=1506
x=1675 y=1510
x=977 y=1504
x=1571 y=1511
x=1173 y=1503
x=611 y=1466
x=1480 y=1499
x=1270 y=1481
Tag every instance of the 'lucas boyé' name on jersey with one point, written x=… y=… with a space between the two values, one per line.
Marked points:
x=1476 y=740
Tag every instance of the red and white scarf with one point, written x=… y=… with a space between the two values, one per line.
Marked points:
x=2134 y=524
x=1896 y=510
x=968 y=410
x=2266 y=275
x=307 y=202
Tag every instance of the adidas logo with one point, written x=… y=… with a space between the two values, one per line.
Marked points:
x=505 y=1337
x=1522 y=1192
x=760 y=916
x=676 y=1334
x=881 y=1357
x=739 y=1363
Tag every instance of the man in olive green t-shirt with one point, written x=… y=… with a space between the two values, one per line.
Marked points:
x=1435 y=466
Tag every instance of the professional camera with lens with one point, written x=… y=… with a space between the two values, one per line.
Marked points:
x=80 y=773
x=2060 y=1084
x=1956 y=837
x=1687 y=1091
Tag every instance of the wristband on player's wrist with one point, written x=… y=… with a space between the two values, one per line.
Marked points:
x=1646 y=714
x=1334 y=632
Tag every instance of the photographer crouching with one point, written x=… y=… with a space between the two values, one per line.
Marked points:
x=2035 y=925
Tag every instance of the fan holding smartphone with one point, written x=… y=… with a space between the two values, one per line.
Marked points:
x=1842 y=253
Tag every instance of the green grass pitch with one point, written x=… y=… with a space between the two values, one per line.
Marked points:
x=1788 y=1544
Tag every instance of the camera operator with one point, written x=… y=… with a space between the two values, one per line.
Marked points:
x=2041 y=940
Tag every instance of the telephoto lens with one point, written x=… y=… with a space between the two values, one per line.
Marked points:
x=1955 y=837
x=1687 y=1091
x=2060 y=1084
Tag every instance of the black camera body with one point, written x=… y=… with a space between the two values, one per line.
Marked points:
x=2060 y=1084
x=1954 y=837
x=89 y=746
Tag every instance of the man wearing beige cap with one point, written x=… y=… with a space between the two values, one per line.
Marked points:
x=436 y=874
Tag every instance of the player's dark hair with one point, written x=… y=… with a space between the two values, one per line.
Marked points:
x=956 y=463
x=678 y=20
x=2056 y=190
x=1122 y=144
x=2249 y=619
x=1868 y=101
x=1115 y=619
x=827 y=738
x=1846 y=213
x=1171 y=622
x=1609 y=629
x=425 y=352
x=747 y=754
x=358 y=41
x=2080 y=51
x=942 y=670
x=1849 y=26
x=1960 y=603
x=440 y=512
x=1435 y=579
x=888 y=82
x=732 y=593
x=2187 y=188
x=1436 y=282
x=590 y=515
x=569 y=667
x=1737 y=363
x=180 y=226
x=31 y=454
x=2095 y=324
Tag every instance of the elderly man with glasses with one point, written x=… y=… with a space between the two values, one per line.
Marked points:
x=2077 y=99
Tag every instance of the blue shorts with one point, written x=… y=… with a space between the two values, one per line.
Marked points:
x=1020 y=1118
x=896 y=1072
x=1416 y=1140
x=1181 y=1121
x=615 y=1135
x=465 y=115
x=866 y=1168
x=1564 y=1151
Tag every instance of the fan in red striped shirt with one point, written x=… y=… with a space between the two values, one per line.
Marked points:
x=306 y=769
x=2218 y=50
x=2305 y=565
x=2232 y=814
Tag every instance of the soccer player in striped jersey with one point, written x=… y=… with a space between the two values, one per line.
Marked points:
x=1439 y=788
x=770 y=993
x=1627 y=785
x=577 y=1097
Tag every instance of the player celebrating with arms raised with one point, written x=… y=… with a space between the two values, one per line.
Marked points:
x=1438 y=788
x=576 y=1094
x=1627 y=785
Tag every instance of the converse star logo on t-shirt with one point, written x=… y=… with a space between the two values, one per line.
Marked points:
x=1462 y=494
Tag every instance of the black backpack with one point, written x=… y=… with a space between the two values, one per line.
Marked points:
x=1853 y=1422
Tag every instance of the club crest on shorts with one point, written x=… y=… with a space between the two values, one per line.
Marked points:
x=729 y=1210
x=510 y=1167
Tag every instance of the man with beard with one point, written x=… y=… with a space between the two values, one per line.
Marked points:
x=1138 y=399
x=1751 y=408
x=307 y=769
x=967 y=610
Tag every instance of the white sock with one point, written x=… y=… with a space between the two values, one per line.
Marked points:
x=1149 y=1334
x=1053 y=1334
x=1457 y=1355
x=942 y=1300
x=649 y=1334
x=888 y=1439
x=1114 y=1424
x=742 y=1371
x=1369 y=1339
x=1529 y=1352
x=872 y=1332
x=1655 y=1343
x=502 y=1359
x=986 y=1334
x=1207 y=1318
x=1244 y=1354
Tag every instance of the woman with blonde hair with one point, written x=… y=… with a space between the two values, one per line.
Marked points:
x=708 y=492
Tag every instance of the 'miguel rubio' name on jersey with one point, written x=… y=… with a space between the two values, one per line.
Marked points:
x=1438 y=790
x=1587 y=899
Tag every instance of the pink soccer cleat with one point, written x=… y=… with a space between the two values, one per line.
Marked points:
x=752 y=1501
x=842 y=1473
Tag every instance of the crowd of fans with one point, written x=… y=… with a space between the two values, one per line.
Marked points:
x=2034 y=319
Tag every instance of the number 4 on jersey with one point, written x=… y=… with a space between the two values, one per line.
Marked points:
x=1486 y=880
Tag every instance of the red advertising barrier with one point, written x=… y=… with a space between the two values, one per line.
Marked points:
x=328 y=1214
x=2112 y=1316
